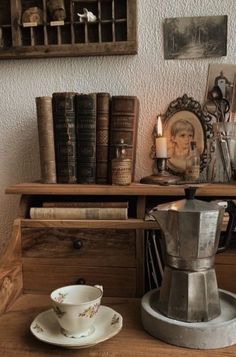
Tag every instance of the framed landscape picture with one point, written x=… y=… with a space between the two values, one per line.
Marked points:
x=195 y=37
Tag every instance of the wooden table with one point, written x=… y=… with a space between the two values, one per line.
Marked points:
x=17 y=340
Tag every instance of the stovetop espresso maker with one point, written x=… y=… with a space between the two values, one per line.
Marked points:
x=189 y=290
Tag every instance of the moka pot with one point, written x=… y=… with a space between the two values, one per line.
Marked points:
x=191 y=228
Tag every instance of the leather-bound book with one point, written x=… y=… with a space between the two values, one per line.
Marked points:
x=123 y=125
x=65 y=136
x=86 y=137
x=46 y=139
x=103 y=109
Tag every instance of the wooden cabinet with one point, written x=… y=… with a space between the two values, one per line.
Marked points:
x=63 y=252
x=45 y=254
x=107 y=252
x=53 y=28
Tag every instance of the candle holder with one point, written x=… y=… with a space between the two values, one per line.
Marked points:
x=163 y=177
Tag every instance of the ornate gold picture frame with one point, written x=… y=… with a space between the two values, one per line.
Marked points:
x=183 y=122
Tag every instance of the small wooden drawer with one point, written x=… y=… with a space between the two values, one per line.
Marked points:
x=45 y=278
x=90 y=247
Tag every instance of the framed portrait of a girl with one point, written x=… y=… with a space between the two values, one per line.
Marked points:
x=184 y=121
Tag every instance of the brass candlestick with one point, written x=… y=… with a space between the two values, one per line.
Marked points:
x=163 y=177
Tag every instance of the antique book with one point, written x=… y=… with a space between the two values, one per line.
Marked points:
x=102 y=137
x=46 y=139
x=87 y=204
x=86 y=137
x=79 y=213
x=123 y=125
x=65 y=136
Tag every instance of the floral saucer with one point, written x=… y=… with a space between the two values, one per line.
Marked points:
x=107 y=324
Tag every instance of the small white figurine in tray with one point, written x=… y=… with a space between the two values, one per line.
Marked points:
x=87 y=16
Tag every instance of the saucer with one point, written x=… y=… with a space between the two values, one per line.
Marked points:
x=107 y=324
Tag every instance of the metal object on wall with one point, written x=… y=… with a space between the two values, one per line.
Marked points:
x=222 y=153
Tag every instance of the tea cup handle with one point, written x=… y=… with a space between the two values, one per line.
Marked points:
x=99 y=287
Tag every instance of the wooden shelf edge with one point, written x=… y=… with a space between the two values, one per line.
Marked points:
x=135 y=189
x=119 y=224
x=70 y=50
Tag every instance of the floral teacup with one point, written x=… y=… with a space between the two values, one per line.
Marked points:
x=76 y=307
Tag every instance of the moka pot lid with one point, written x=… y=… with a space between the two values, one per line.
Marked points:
x=189 y=204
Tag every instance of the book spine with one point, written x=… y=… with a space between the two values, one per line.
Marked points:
x=102 y=137
x=87 y=204
x=123 y=125
x=86 y=138
x=46 y=139
x=78 y=213
x=65 y=136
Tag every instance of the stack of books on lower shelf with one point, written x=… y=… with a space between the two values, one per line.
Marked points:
x=81 y=210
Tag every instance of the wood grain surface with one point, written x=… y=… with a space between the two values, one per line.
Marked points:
x=16 y=339
x=43 y=278
x=98 y=247
x=49 y=261
x=135 y=189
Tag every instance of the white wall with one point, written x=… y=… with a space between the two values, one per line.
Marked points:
x=154 y=80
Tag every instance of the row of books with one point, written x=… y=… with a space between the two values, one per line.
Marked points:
x=78 y=134
x=81 y=210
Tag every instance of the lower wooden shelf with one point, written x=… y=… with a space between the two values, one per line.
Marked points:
x=69 y=223
x=16 y=339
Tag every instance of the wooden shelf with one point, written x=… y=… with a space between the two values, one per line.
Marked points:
x=113 y=32
x=119 y=224
x=135 y=189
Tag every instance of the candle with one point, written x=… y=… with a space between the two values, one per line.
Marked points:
x=161 y=141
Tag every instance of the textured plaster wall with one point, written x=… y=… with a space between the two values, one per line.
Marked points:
x=155 y=81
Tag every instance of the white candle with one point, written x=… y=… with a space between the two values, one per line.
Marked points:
x=161 y=147
x=161 y=141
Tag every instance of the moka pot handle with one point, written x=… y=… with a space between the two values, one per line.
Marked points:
x=227 y=235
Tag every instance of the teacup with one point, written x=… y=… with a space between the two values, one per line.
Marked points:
x=76 y=308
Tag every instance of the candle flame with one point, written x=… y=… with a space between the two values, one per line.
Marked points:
x=159 y=126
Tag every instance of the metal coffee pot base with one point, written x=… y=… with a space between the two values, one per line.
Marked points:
x=217 y=333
